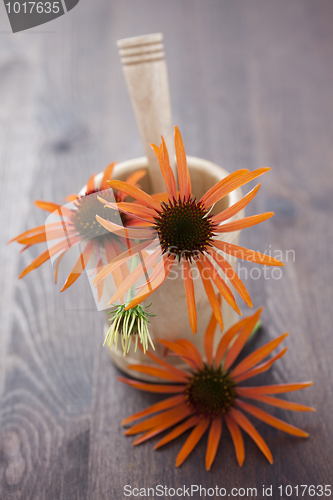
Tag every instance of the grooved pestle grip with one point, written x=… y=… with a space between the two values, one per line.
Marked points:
x=146 y=76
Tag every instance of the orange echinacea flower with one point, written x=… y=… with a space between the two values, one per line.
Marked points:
x=182 y=228
x=78 y=225
x=210 y=395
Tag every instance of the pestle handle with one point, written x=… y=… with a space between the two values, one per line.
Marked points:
x=146 y=76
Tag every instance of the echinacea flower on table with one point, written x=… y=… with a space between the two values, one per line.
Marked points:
x=210 y=394
x=183 y=229
x=76 y=224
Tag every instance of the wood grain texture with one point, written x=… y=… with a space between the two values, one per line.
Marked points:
x=251 y=86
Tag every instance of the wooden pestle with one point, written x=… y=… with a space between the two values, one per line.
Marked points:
x=146 y=76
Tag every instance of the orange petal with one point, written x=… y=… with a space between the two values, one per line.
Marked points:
x=231 y=274
x=190 y=349
x=178 y=431
x=190 y=298
x=239 y=224
x=157 y=278
x=62 y=245
x=35 y=230
x=159 y=388
x=158 y=372
x=136 y=193
x=236 y=207
x=121 y=259
x=52 y=234
x=162 y=405
x=57 y=266
x=219 y=283
x=209 y=337
x=107 y=176
x=246 y=254
x=111 y=254
x=269 y=419
x=239 y=343
x=226 y=339
x=223 y=183
x=169 y=417
x=231 y=186
x=263 y=367
x=169 y=367
x=210 y=294
x=80 y=264
x=281 y=403
x=135 y=275
x=71 y=197
x=183 y=173
x=257 y=356
x=275 y=389
x=91 y=185
x=135 y=177
x=47 y=205
x=245 y=424
x=168 y=176
x=214 y=437
x=237 y=439
x=124 y=232
x=182 y=352
x=130 y=208
x=193 y=439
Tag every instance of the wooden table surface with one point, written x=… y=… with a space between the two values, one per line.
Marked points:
x=251 y=86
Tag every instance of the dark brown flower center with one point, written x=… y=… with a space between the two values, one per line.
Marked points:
x=210 y=392
x=184 y=228
x=87 y=207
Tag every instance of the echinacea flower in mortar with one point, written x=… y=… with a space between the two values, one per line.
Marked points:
x=183 y=229
x=210 y=394
x=79 y=225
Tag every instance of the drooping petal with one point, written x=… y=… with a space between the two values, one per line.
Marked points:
x=136 y=177
x=269 y=419
x=246 y=425
x=42 y=237
x=246 y=254
x=121 y=259
x=159 y=388
x=239 y=224
x=107 y=176
x=161 y=405
x=157 y=278
x=48 y=206
x=124 y=232
x=237 y=439
x=136 y=193
x=239 y=343
x=158 y=372
x=62 y=245
x=209 y=337
x=192 y=440
x=236 y=207
x=263 y=367
x=231 y=186
x=57 y=266
x=36 y=230
x=210 y=294
x=183 y=173
x=79 y=265
x=214 y=437
x=130 y=208
x=281 y=403
x=257 y=356
x=135 y=275
x=231 y=274
x=178 y=431
x=219 y=283
x=190 y=298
